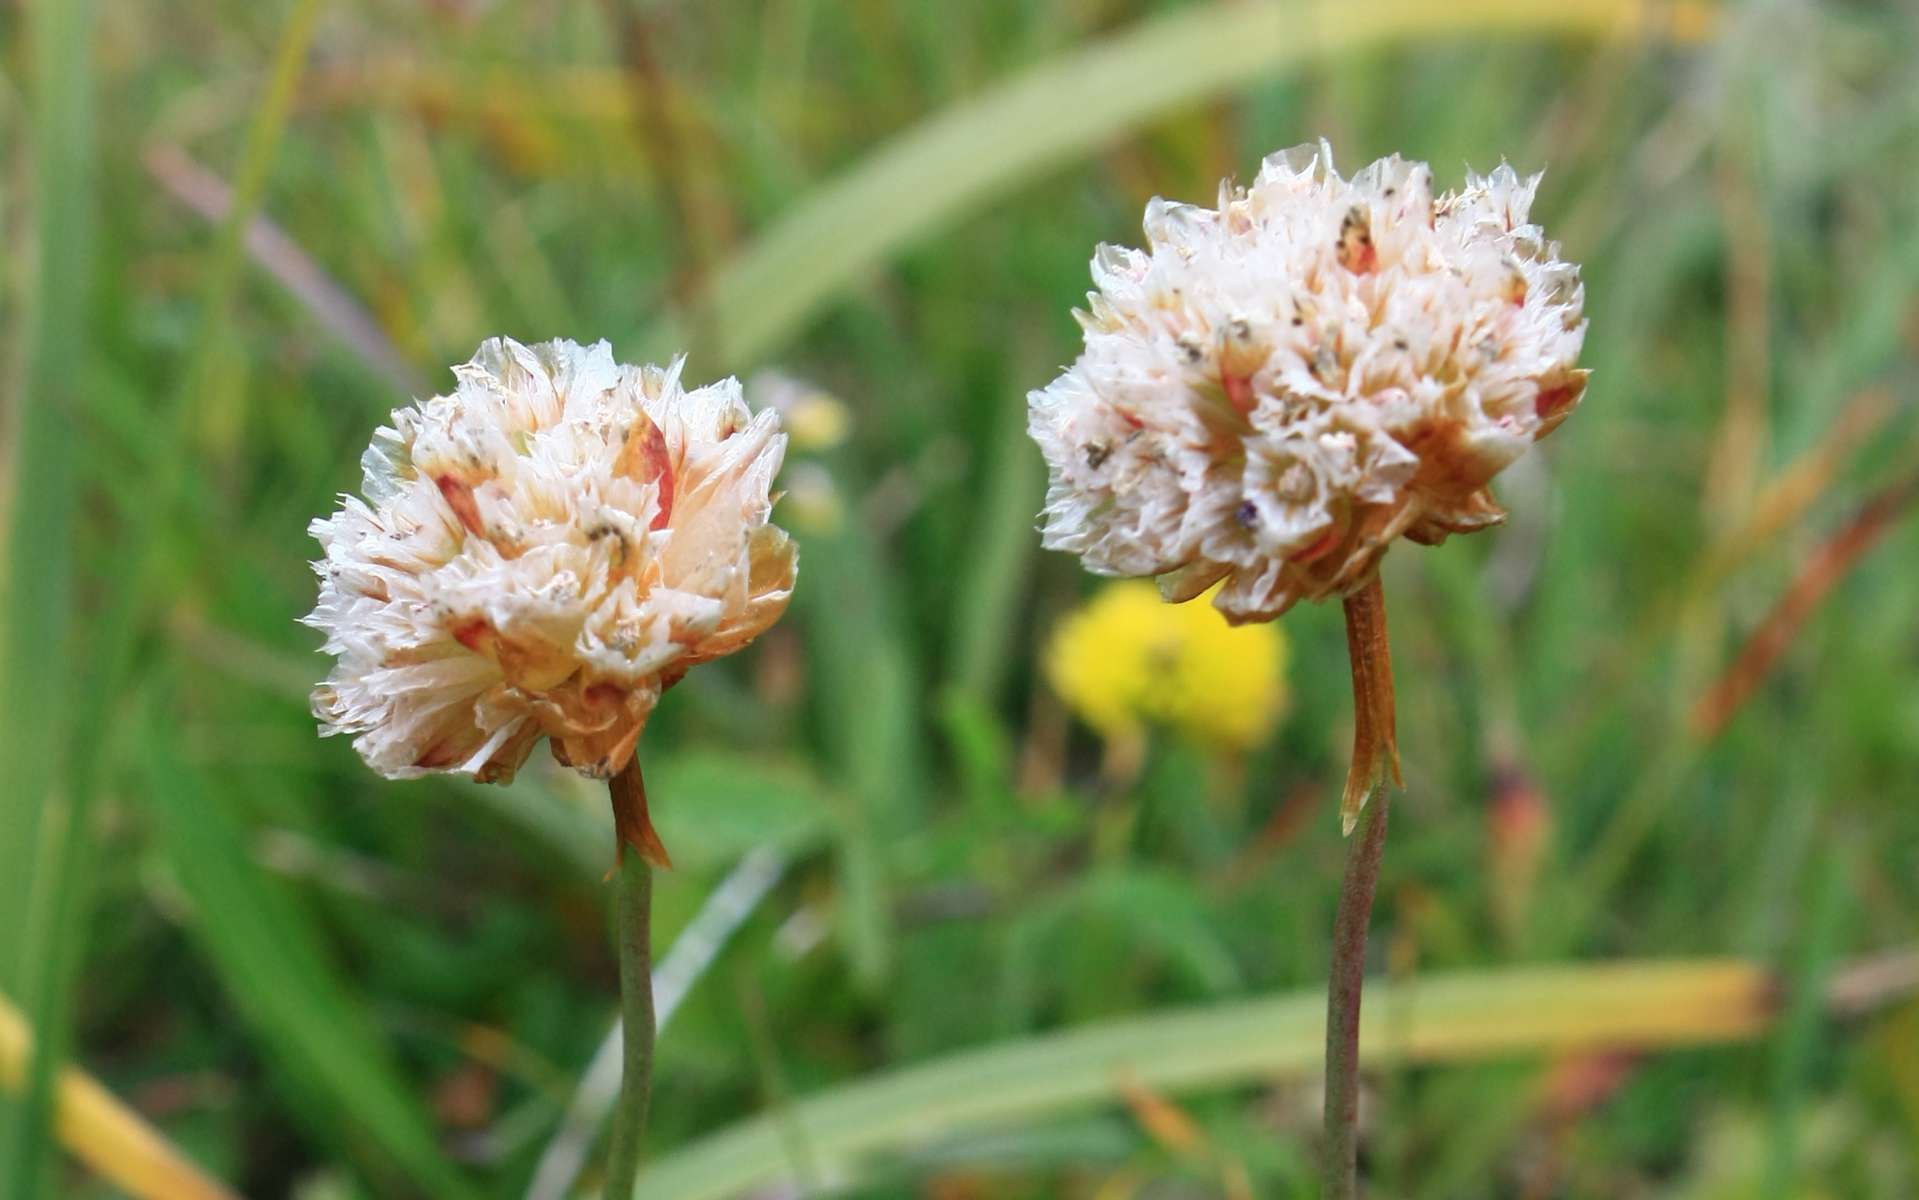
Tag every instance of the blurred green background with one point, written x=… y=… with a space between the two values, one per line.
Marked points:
x=1667 y=714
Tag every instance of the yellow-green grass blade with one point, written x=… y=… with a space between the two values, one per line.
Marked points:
x=107 y=1137
x=1449 y=1018
x=952 y=163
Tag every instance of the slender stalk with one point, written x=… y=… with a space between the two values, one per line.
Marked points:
x=1342 y=1004
x=633 y=899
x=1375 y=754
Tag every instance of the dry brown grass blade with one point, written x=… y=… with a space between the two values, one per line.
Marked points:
x=111 y=1139
x=1829 y=564
x=1732 y=469
x=699 y=208
x=280 y=256
x=1796 y=487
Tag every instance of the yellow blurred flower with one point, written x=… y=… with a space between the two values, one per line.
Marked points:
x=1127 y=659
x=815 y=419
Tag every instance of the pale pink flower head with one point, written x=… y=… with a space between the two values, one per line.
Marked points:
x=541 y=554
x=1274 y=390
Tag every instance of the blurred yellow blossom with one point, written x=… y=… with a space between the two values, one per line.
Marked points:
x=1127 y=659
x=816 y=420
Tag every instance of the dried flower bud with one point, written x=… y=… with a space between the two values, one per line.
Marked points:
x=1278 y=388
x=543 y=552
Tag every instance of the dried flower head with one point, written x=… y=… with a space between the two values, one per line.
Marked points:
x=543 y=552
x=1125 y=660
x=1276 y=389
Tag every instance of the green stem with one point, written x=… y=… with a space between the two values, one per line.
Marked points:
x=1375 y=759
x=633 y=898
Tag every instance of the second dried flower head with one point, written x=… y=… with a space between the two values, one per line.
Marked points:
x=542 y=553
x=1276 y=389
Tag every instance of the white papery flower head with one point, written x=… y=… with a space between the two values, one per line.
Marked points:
x=1274 y=390
x=542 y=553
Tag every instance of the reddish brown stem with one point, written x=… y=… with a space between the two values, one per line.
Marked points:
x=633 y=891
x=1375 y=753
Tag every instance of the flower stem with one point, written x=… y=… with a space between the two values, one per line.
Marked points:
x=1375 y=753
x=633 y=898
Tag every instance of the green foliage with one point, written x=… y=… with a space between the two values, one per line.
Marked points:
x=1452 y=1018
x=272 y=964
x=315 y=980
x=44 y=809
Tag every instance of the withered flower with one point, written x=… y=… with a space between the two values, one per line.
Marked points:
x=1276 y=389
x=541 y=554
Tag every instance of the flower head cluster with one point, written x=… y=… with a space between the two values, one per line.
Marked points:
x=542 y=553
x=1127 y=660
x=1276 y=389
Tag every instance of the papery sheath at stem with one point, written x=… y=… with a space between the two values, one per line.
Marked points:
x=632 y=824
x=1375 y=742
x=1375 y=753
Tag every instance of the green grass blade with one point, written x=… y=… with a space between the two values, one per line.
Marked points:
x=1797 y=1040
x=986 y=615
x=272 y=962
x=1449 y=1018
x=49 y=951
x=41 y=813
x=870 y=723
x=210 y=366
x=1072 y=105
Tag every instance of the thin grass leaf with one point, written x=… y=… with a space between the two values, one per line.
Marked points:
x=1070 y=106
x=867 y=711
x=1797 y=1040
x=271 y=961
x=170 y=457
x=43 y=813
x=985 y=618
x=1450 y=1018
x=277 y=254
x=1823 y=571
